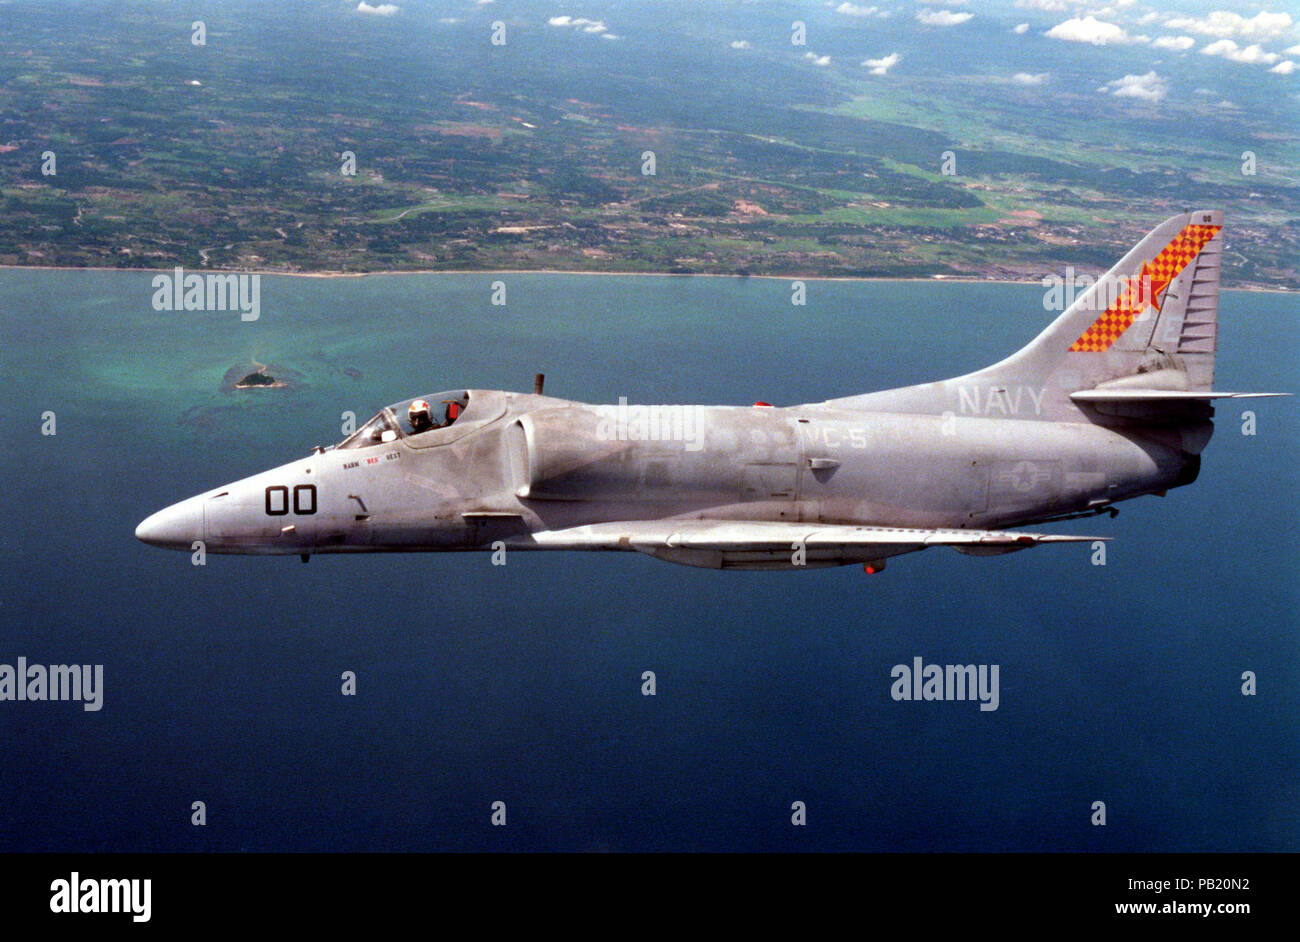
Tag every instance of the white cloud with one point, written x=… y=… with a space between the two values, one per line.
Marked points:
x=1285 y=67
x=882 y=66
x=942 y=18
x=1294 y=50
x=582 y=25
x=1029 y=78
x=739 y=44
x=1149 y=87
x=852 y=9
x=1063 y=6
x=383 y=9
x=1021 y=28
x=1088 y=29
x=1225 y=24
x=1174 y=42
x=1247 y=55
x=816 y=59
x=1111 y=10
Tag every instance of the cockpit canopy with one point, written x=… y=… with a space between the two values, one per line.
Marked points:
x=395 y=421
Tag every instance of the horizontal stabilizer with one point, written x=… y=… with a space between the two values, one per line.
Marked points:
x=1162 y=395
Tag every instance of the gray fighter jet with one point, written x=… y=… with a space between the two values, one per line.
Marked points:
x=1110 y=402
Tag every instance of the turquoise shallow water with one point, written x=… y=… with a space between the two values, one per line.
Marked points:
x=522 y=684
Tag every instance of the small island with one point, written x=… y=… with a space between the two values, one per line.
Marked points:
x=260 y=379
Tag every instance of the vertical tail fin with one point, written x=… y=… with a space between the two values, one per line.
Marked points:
x=1155 y=310
x=1154 y=315
x=1161 y=305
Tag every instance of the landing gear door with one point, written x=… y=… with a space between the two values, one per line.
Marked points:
x=777 y=480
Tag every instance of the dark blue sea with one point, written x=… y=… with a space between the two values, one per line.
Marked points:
x=522 y=683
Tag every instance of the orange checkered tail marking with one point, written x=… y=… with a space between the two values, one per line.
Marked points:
x=1148 y=287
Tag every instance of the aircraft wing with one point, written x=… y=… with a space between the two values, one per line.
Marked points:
x=728 y=544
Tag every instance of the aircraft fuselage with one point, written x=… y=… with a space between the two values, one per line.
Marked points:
x=516 y=464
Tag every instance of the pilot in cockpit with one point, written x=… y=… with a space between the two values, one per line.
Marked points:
x=421 y=417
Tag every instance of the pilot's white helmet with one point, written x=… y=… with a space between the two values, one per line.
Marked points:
x=419 y=408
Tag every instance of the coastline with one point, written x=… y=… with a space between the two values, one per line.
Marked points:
x=932 y=279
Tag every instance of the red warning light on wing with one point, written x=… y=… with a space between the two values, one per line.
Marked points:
x=1143 y=289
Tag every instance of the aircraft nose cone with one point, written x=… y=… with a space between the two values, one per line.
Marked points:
x=174 y=527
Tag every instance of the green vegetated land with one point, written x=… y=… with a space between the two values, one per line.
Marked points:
x=531 y=155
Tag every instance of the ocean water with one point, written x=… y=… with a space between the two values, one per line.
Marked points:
x=522 y=683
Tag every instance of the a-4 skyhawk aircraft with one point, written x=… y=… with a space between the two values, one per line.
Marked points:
x=1110 y=402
